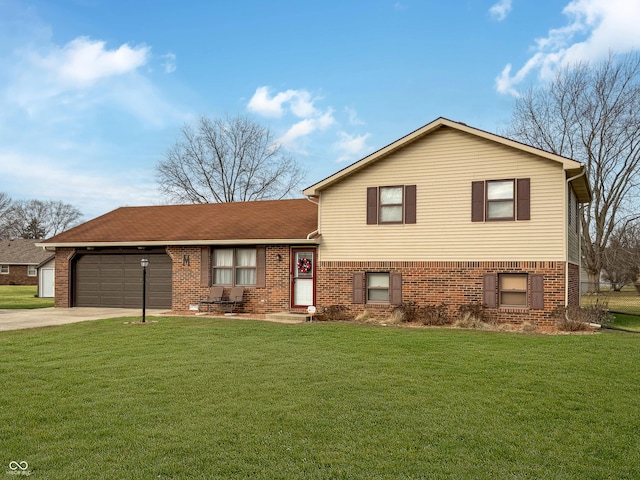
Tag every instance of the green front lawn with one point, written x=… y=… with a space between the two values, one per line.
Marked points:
x=18 y=296
x=628 y=322
x=626 y=301
x=201 y=398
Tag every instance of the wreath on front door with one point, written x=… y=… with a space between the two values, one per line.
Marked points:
x=304 y=265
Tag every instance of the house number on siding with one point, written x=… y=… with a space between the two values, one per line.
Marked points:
x=186 y=260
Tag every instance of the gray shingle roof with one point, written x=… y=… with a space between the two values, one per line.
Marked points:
x=22 y=252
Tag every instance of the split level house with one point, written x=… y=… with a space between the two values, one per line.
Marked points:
x=448 y=213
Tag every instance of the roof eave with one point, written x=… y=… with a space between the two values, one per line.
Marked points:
x=314 y=190
x=164 y=243
x=579 y=181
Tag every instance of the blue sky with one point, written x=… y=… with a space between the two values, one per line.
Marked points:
x=93 y=92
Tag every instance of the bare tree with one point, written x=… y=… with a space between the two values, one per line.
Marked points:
x=227 y=160
x=591 y=114
x=622 y=257
x=39 y=219
x=5 y=207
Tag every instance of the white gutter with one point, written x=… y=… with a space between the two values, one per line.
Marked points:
x=164 y=243
x=566 y=226
x=315 y=232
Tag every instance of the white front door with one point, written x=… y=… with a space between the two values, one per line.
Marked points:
x=303 y=278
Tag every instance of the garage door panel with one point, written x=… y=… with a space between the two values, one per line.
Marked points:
x=115 y=280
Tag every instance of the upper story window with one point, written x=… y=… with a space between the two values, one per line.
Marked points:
x=4 y=269
x=32 y=271
x=234 y=266
x=391 y=201
x=391 y=204
x=500 y=200
x=493 y=200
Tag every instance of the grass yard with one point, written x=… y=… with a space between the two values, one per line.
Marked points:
x=219 y=399
x=19 y=296
x=628 y=322
x=626 y=301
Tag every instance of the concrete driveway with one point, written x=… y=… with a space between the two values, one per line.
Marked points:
x=46 y=317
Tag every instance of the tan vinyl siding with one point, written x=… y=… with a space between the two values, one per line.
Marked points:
x=442 y=165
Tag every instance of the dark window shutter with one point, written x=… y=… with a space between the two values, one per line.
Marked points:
x=410 y=204
x=477 y=201
x=358 y=288
x=261 y=267
x=537 y=292
x=372 y=205
x=524 y=188
x=204 y=266
x=489 y=290
x=395 y=293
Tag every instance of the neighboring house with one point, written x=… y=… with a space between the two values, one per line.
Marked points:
x=19 y=260
x=448 y=213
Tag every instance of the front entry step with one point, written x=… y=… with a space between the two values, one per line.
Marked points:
x=287 y=317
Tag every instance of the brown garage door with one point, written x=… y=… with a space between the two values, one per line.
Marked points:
x=115 y=280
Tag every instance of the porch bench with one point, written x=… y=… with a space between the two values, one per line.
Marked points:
x=227 y=303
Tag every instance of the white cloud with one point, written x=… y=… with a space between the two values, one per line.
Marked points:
x=312 y=119
x=48 y=178
x=299 y=102
x=82 y=61
x=307 y=126
x=594 y=28
x=169 y=63
x=66 y=82
x=353 y=116
x=500 y=10
x=351 y=147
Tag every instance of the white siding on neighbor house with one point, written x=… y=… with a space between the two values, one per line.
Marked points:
x=442 y=165
x=46 y=280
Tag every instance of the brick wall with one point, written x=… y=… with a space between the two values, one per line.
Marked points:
x=455 y=283
x=274 y=297
x=62 y=280
x=574 y=285
x=18 y=275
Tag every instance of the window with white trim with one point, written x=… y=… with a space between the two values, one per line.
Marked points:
x=32 y=271
x=500 y=200
x=234 y=266
x=4 y=269
x=378 y=287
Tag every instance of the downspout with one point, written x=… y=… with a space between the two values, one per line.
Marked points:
x=315 y=232
x=566 y=225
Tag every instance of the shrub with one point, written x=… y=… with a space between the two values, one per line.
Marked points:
x=473 y=312
x=434 y=314
x=473 y=315
x=406 y=313
x=573 y=319
x=335 y=313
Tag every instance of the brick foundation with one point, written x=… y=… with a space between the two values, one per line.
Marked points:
x=454 y=283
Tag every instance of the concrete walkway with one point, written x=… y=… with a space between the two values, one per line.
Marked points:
x=46 y=317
